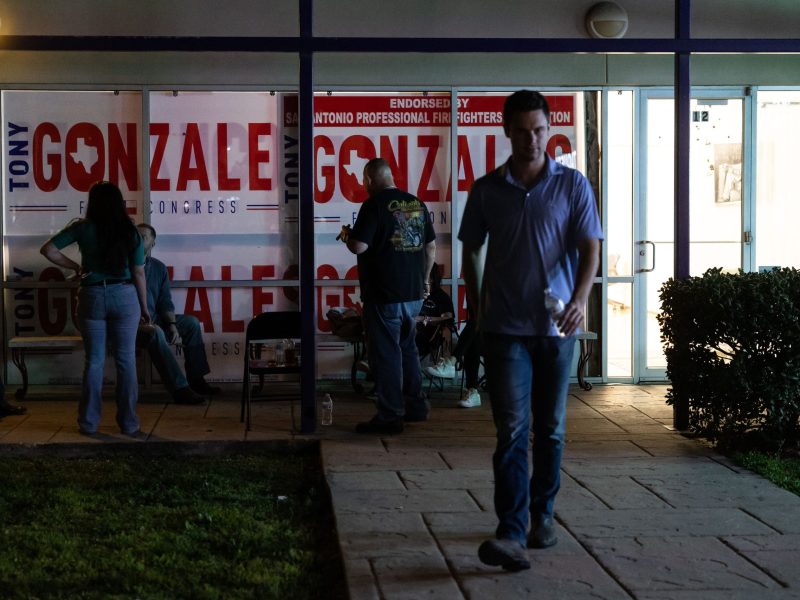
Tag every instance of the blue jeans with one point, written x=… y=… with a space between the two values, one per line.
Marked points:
x=528 y=376
x=163 y=355
x=109 y=312
x=393 y=359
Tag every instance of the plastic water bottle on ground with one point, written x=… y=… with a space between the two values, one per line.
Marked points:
x=327 y=410
x=554 y=306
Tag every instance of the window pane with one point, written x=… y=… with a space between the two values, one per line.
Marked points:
x=777 y=209
x=483 y=145
x=412 y=132
x=56 y=144
x=620 y=319
x=224 y=201
x=620 y=183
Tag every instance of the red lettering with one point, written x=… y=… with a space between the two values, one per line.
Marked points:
x=225 y=182
x=465 y=160
x=490 y=153
x=46 y=184
x=424 y=193
x=558 y=142
x=260 y=297
x=192 y=147
x=399 y=167
x=161 y=131
x=59 y=305
x=123 y=156
x=327 y=172
x=203 y=313
x=79 y=176
x=258 y=157
x=229 y=324
x=349 y=180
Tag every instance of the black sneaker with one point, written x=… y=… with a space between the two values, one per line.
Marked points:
x=10 y=410
x=375 y=426
x=415 y=417
x=187 y=396
x=509 y=554
x=204 y=389
x=543 y=533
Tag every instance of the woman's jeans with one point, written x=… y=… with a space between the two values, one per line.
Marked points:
x=109 y=312
x=394 y=361
x=528 y=377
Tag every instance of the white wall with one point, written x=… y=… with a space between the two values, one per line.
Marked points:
x=148 y=68
x=745 y=18
x=481 y=18
x=422 y=18
x=150 y=17
x=382 y=18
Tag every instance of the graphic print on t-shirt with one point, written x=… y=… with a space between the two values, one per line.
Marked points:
x=409 y=225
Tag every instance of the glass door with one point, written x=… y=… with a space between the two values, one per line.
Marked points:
x=717 y=197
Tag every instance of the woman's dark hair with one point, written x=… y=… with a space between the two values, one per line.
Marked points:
x=117 y=236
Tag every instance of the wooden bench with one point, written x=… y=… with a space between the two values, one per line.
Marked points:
x=50 y=344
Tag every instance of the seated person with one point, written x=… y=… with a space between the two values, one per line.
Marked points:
x=467 y=353
x=435 y=328
x=183 y=330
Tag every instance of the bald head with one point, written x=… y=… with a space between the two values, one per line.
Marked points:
x=377 y=176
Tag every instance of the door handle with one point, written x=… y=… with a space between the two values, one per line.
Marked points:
x=643 y=252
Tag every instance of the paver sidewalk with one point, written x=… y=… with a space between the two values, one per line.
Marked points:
x=643 y=512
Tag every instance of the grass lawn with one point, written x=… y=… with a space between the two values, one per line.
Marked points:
x=784 y=472
x=233 y=526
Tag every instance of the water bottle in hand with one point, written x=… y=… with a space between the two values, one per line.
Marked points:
x=327 y=410
x=554 y=306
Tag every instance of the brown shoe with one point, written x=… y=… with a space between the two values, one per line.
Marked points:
x=508 y=554
x=543 y=533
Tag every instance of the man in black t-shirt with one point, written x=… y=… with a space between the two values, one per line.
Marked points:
x=394 y=239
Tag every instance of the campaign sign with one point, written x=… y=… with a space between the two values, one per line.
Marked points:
x=223 y=177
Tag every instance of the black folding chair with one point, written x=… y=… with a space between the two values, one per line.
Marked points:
x=436 y=347
x=262 y=330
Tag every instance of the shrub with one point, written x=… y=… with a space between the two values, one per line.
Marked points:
x=732 y=343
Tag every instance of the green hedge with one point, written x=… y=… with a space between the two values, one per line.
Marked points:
x=732 y=343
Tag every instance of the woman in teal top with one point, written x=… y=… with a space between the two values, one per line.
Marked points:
x=112 y=300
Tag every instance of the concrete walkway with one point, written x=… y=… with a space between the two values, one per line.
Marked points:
x=643 y=512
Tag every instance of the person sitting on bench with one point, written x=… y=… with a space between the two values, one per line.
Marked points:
x=183 y=330
x=435 y=327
